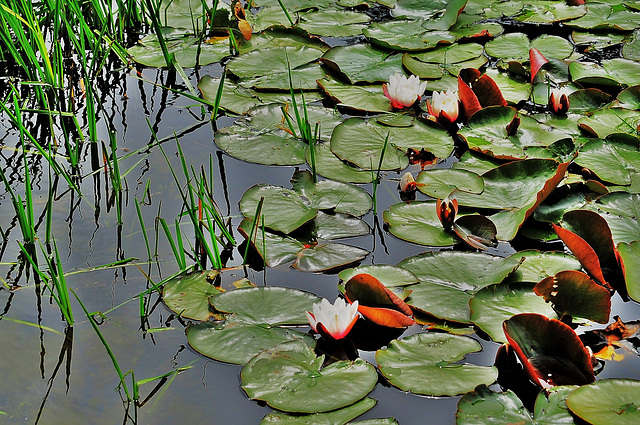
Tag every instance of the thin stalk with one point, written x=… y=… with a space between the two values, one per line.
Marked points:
x=377 y=178
x=254 y=227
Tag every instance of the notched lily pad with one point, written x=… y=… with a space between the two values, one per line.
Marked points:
x=188 y=295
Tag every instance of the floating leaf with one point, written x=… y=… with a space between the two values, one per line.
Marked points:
x=573 y=293
x=361 y=98
x=494 y=304
x=377 y=303
x=270 y=305
x=440 y=182
x=389 y=276
x=630 y=263
x=621 y=211
x=537 y=265
x=477 y=231
x=272 y=61
x=187 y=51
x=237 y=343
x=188 y=295
x=424 y=364
x=602 y=16
x=538 y=11
x=326 y=256
x=418 y=222
x=406 y=36
x=363 y=63
x=551 y=352
x=607 y=401
x=289 y=377
x=332 y=167
x=340 y=416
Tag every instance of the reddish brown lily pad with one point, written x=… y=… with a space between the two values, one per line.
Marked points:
x=377 y=303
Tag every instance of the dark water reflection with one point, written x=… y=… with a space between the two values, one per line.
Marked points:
x=70 y=379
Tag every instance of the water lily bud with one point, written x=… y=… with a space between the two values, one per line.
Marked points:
x=444 y=106
x=559 y=102
x=403 y=91
x=447 y=211
x=407 y=183
x=333 y=321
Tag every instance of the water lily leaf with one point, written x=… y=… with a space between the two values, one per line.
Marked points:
x=333 y=23
x=601 y=16
x=605 y=122
x=583 y=252
x=488 y=133
x=451 y=54
x=340 y=416
x=418 y=222
x=534 y=178
x=538 y=12
x=440 y=182
x=629 y=98
x=186 y=14
x=494 y=304
x=484 y=405
x=536 y=265
x=377 y=303
x=630 y=263
x=551 y=352
x=469 y=27
x=587 y=100
x=594 y=41
x=406 y=36
x=573 y=293
x=513 y=90
x=236 y=99
x=476 y=163
x=631 y=49
x=361 y=98
x=513 y=45
x=188 y=295
x=443 y=301
x=389 y=276
x=281 y=36
x=274 y=249
x=288 y=377
x=448 y=17
x=477 y=231
x=237 y=343
x=424 y=364
x=303 y=78
x=283 y=209
x=477 y=91
x=332 y=167
x=337 y=226
x=270 y=305
x=621 y=212
x=272 y=61
x=612 y=162
x=415 y=9
x=332 y=195
x=363 y=63
x=361 y=142
x=607 y=401
x=326 y=256
x=185 y=50
x=422 y=69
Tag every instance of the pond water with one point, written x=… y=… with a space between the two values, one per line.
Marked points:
x=53 y=374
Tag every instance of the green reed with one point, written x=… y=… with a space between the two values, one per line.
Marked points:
x=376 y=177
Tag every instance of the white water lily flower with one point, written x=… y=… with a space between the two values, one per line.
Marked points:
x=407 y=183
x=444 y=105
x=403 y=91
x=333 y=321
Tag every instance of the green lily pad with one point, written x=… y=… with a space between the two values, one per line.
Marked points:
x=289 y=377
x=188 y=295
x=487 y=133
x=445 y=302
x=440 y=182
x=340 y=416
x=513 y=45
x=361 y=98
x=450 y=54
x=270 y=305
x=389 y=276
x=615 y=163
x=283 y=209
x=274 y=249
x=422 y=69
x=513 y=89
x=601 y=16
x=280 y=36
x=238 y=342
x=614 y=72
x=536 y=265
x=418 y=222
x=185 y=14
x=332 y=167
x=486 y=406
x=605 y=122
x=573 y=293
x=607 y=401
x=332 y=195
x=303 y=78
x=272 y=61
x=327 y=256
x=325 y=22
x=424 y=364
x=406 y=36
x=596 y=41
x=494 y=304
x=630 y=258
x=537 y=12
x=338 y=225
x=631 y=49
x=621 y=211
x=236 y=99
x=361 y=142
x=363 y=63
x=629 y=98
x=185 y=50
x=476 y=163
x=517 y=188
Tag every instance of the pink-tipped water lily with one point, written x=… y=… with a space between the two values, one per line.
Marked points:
x=447 y=210
x=444 y=106
x=403 y=91
x=333 y=321
x=559 y=102
x=407 y=183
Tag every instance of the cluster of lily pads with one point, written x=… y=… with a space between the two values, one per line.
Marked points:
x=546 y=149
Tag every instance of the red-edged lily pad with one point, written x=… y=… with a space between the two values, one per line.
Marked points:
x=377 y=303
x=573 y=293
x=477 y=91
x=551 y=352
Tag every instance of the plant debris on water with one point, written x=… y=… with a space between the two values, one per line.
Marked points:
x=205 y=177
